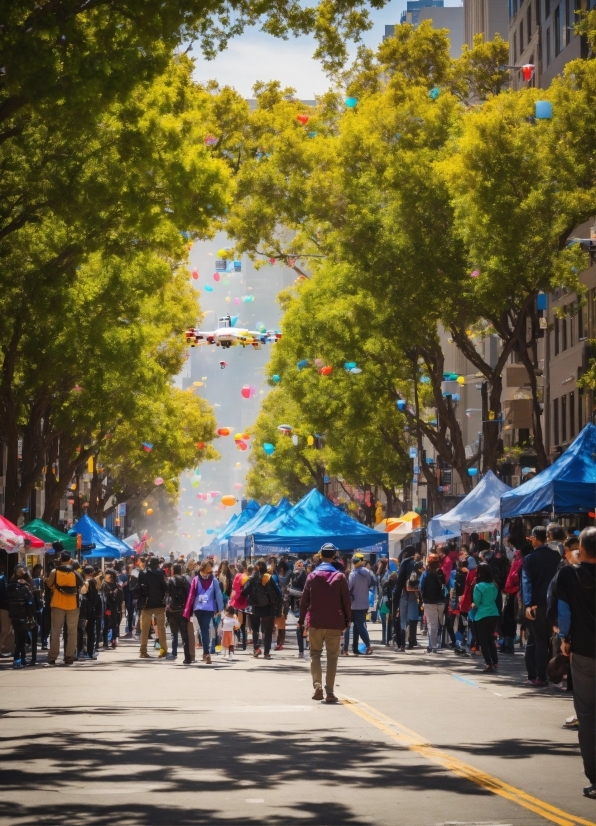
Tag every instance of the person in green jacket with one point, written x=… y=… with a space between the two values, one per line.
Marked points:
x=486 y=615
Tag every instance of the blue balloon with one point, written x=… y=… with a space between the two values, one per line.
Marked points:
x=351 y=103
x=424 y=380
x=472 y=471
x=302 y=364
x=401 y=404
x=434 y=93
x=275 y=378
x=349 y=365
x=268 y=448
x=208 y=288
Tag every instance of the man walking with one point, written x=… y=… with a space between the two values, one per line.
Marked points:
x=360 y=581
x=538 y=570
x=64 y=583
x=576 y=594
x=326 y=600
x=153 y=589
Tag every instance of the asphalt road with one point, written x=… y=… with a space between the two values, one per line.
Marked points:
x=418 y=739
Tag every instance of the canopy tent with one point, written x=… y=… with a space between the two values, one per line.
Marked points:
x=49 y=534
x=220 y=545
x=106 y=544
x=567 y=486
x=12 y=538
x=398 y=527
x=239 y=542
x=478 y=511
x=313 y=522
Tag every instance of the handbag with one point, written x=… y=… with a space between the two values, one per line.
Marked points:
x=30 y=623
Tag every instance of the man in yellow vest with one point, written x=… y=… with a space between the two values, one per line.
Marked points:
x=64 y=583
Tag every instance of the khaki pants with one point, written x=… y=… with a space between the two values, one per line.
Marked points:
x=59 y=615
x=6 y=633
x=160 y=616
x=332 y=639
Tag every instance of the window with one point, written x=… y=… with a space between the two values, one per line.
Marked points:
x=548 y=53
x=555 y=422
x=563 y=418
x=572 y=415
x=556 y=334
x=537 y=12
x=571 y=329
x=568 y=21
x=546 y=8
x=521 y=36
x=580 y=404
x=514 y=48
x=529 y=21
x=580 y=319
x=557 y=25
x=563 y=325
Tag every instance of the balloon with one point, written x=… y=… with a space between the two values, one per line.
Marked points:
x=401 y=404
x=326 y=371
x=228 y=500
x=236 y=301
x=319 y=362
x=223 y=364
x=204 y=378
x=349 y=365
x=245 y=392
x=295 y=440
x=222 y=253
x=242 y=445
x=303 y=119
x=351 y=103
x=238 y=465
x=204 y=497
x=475 y=273
x=237 y=485
x=209 y=531
x=269 y=448
x=147 y=447
x=201 y=445
x=208 y=288
x=216 y=276
x=197 y=384
x=275 y=378
x=228 y=299
x=472 y=471
x=238 y=437
x=461 y=380
x=158 y=481
x=310 y=440
x=302 y=364
x=434 y=93
x=286 y=429
x=210 y=140
x=195 y=273
x=149 y=511
x=424 y=380
x=246 y=436
x=224 y=431
x=355 y=370
x=194 y=483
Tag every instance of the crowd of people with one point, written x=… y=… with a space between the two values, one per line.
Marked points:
x=474 y=598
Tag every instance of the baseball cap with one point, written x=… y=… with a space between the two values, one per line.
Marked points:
x=328 y=550
x=358 y=558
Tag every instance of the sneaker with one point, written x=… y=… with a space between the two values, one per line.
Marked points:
x=187 y=662
x=590 y=791
x=162 y=653
x=68 y=660
x=144 y=655
x=343 y=653
x=369 y=651
x=207 y=659
x=331 y=698
x=571 y=722
x=301 y=655
x=266 y=656
x=18 y=664
x=114 y=643
x=156 y=644
x=538 y=683
x=279 y=648
x=51 y=662
x=257 y=652
x=171 y=656
x=127 y=636
x=318 y=695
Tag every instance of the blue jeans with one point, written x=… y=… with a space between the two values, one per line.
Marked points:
x=359 y=620
x=204 y=619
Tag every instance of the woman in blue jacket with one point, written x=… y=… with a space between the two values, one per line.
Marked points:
x=486 y=615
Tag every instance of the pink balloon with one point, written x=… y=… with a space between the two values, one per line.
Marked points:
x=216 y=276
x=195 y=273
x=242 y=445
x=204 y=497
x=237 y=486
x=246 y=392
x=236 y=301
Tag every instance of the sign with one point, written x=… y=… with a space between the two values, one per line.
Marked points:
x=416 y=470
x=413 y=452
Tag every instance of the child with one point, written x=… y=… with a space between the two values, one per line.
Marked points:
x=229 y=624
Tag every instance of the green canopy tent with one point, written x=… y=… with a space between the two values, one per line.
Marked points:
x=42 y=530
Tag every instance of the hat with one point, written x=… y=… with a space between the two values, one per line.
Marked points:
x=328 y=550
x=357 y=558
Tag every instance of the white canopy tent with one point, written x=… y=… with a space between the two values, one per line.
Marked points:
x=479 y=511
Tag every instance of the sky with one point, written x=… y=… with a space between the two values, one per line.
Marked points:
x=256 y=56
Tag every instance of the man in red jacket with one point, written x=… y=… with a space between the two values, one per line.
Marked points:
x=326 y=600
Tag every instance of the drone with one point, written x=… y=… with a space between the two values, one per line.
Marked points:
x=227 y=335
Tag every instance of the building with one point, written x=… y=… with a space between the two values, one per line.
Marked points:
x=487 y=17
x=413 y=9
x=451 y=18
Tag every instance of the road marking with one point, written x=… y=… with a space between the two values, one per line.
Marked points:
x=463 y=680
x=408 y=738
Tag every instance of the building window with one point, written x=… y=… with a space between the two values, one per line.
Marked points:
x=555 y=422
x=547 y=39
x=580 y=412
x=563 y=324
x=537 y=12
x=514 y=48
x=546 y=8
x=571 y=329
x=556 y=333
x=521 y=37
x=580 y=319
x=572 y=415
x=557 y=25
x=529 y=21
x=563 y=419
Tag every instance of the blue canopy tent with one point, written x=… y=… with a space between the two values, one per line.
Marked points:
x=106 y=544
x=313 y=522
x=478 y=511
x=567 y=486
x=239 y=541
x=222 y=542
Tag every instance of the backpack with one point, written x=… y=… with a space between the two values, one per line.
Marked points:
x=432 y=588
x=20 y=601
x=177 y=595
x=258 y=596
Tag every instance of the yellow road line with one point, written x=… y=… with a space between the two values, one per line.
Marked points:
x=408 y=738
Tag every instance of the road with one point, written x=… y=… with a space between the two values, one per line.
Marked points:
x=418 y=739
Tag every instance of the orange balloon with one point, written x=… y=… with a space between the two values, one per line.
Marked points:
x=149 y=511
x=224 y=431
x=228 y=500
